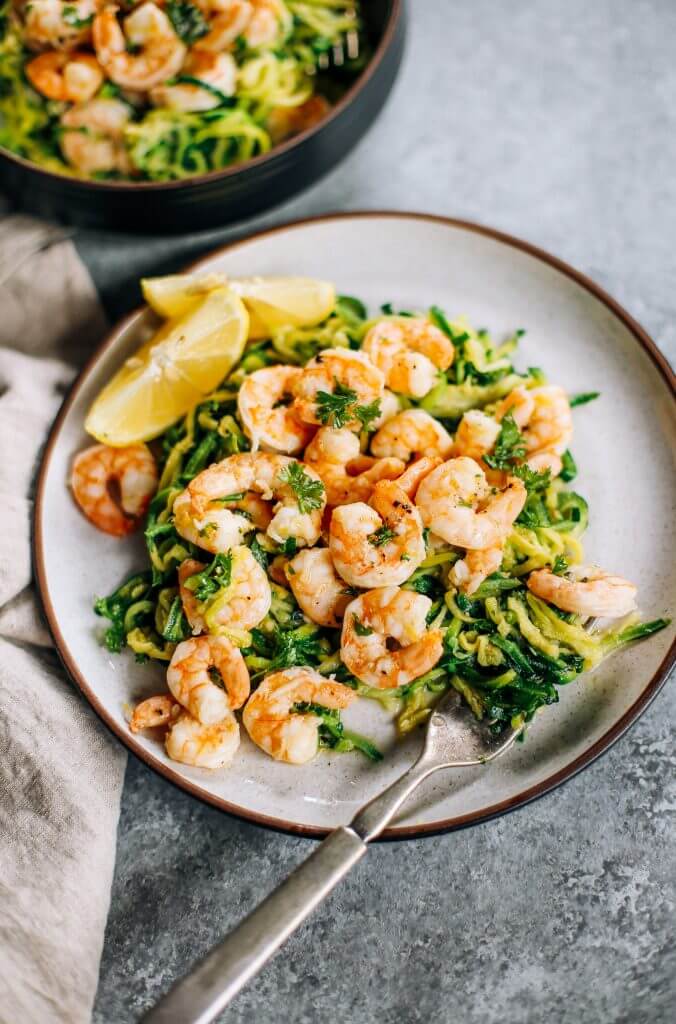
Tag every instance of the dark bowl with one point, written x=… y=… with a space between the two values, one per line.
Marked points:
x=209 y=200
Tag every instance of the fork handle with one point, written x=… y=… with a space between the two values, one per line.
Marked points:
x=200 y=997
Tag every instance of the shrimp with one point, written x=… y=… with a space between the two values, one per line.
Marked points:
x=347 y=475
x=350 y=376
x=585 y=590
x=134 y=472
x=266 y=419
x=543 y=415
x=380 y=544
x=284 y=122
x=92 y=136
x=191 y=672
x=218 y=72
x=154 y=712
x=456 y=503
x=157 y=54
x=242 y=603
x=395 y=615
x=223 y=524
x=58 y=24
x=317 y=587
x=409 y=351
x=416 y=472
x=412 y=432
x=73 y=77
x=260 y=23
x=203 y=746
x=469 y=573
x=273 y=725
x=200 y=517
x=476 y=435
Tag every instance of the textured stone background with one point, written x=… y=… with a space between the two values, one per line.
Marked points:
x=557 y=122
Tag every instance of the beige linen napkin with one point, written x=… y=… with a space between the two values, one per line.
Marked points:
x=61 y=773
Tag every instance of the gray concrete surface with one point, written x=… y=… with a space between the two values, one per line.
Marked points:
x=555 y=121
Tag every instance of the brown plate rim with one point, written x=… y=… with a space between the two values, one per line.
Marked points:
x=228 y=172
x=311 y=831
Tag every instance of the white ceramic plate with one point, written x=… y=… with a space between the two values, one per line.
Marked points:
x=624 y=444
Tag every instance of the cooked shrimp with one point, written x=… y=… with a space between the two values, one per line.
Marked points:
x=543 y=415
x=218 y=72
x=203 y=746
x=476 y=435
x=412 y=432
x=347 y=475
x=221 y=522
x=191 y=672
x=92 y=136
x=72 y=77
x=317 y=587
x=157 y=54
x=260 y=23
x=409 y=351
x=469 y=573
x=273 y=725
x=337 y=371
x=395 y=615
x=227 y=19
x=390 y=405
x=456 y=503
x=416 y=472
x=58 y=24
x=200 y=517
x=585 y=590
x=267 y=421
x=241 y=604
x=380 y=544
x=153 y=712
x=284 y=122
x=134 y=472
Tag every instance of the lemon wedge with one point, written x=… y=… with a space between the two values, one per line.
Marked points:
x=185 y=360
x=272 y=302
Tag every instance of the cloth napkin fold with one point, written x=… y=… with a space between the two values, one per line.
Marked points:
x=61 y=773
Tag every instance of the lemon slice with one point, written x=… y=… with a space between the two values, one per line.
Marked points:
x=177 y=294
x=272 y=302
x=185 y=360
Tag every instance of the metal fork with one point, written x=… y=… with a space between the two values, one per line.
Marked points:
x=454 y=739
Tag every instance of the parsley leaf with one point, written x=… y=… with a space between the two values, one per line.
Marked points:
x=294 y=648
x=216 y=575
x=359 y=627
x=534 y=480
x=336 y=408
x=508 y=447
x=560 y=565
x=381 y=536
x=583 y=398
x=187 y=20
x=367 y=414
x=72 y=18
x=309 y=492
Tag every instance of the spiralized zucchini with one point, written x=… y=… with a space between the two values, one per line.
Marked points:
x=169 y=144
x=505 y=651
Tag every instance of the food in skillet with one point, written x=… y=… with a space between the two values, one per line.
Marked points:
x=167 y=89
x=339 y=508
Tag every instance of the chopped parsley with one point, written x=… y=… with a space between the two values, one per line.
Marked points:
x=359 y=627
x=338 y=407
x=72 y=18
x=381 y=536
x=509 y=446
x=309 y=492
x=583 y=398
x=187 y=20
x=560 y=566
x=216 y=575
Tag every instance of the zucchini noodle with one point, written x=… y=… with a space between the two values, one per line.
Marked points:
x=505 y=651
x=272 y=78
